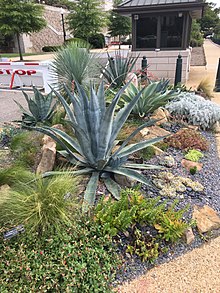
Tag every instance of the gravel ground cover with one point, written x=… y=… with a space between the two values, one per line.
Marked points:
x=209 y=177
x=198 y=57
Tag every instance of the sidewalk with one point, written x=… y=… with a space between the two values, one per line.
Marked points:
x=198 y=73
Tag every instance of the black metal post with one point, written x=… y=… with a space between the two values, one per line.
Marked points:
x=143 y=67
x=217 y=82
x=178 y=75
x=63 y=24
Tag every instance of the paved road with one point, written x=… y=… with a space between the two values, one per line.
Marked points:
x=9 y=110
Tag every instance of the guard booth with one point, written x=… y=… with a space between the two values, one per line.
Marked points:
x=161 y=31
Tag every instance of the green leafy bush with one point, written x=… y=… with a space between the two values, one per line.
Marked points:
x=194 y=155
x=153 y=96
x=134 y=215
x=39 y=204
x=90 y=147
x=80 y=259
x=97 y=41
x=186 y=139
x=51 y=48
x=41 y=107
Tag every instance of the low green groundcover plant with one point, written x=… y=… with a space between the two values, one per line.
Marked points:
x=80 y=259
x=145 y=222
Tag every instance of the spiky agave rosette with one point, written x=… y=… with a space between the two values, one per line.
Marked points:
x=95 y=129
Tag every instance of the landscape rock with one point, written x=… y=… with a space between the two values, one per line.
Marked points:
x=153 y=131
x=48 y=153
x=189 y=236
x=161 y=115
x=167 y=161
x=206 y=218
x=189 y=165
x=4 y=187
x=124 y=181
x=158 y=151
x=132 y=76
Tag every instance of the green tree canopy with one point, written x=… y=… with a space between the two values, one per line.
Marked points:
x=86 y=19
x=20 y=16
x=210 y=19
x=119 y=25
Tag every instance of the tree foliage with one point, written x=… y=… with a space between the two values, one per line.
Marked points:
x=210 y=19
x=86 y=19
x=20 y=16
x=118 y=25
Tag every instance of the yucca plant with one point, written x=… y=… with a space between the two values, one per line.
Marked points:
x=153 y=96
x=41 y=107
x=74 y=63
x=118 y=68
x=95 y=128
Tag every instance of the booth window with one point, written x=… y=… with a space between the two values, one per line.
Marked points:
x=159 y=31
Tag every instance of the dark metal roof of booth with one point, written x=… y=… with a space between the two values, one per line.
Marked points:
x=136 y=3
x=146 y=6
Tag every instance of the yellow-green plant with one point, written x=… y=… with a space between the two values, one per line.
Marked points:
x=40 y=204
x=194 y=155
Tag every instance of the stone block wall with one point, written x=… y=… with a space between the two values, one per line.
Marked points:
x=162 y=64
x=51 y=35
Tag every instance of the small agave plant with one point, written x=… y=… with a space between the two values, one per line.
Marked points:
x=95 y=129
x=41 y=107
x=153 y=96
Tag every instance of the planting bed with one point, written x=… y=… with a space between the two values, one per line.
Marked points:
x=209 y=176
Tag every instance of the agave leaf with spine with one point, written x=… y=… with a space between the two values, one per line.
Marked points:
x=118 y=68
x=41 y=108
x=95 y=129
x=155 y=95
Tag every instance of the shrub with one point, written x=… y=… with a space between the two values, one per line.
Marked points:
x=194 y=155
x=39 y=204
x=41 y=108
x=80 y=259
x=146 y=222
x=153 y=96
x=95 y=129
x=186 y=139
x=97 y=41
x=51 y=48
x=195 y=109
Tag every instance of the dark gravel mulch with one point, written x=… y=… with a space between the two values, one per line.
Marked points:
x=198 y=57
x=209 y=176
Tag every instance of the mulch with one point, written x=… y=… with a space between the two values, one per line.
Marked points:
x=198 y=57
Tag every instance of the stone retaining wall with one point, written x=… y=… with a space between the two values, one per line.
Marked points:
x=51 y=35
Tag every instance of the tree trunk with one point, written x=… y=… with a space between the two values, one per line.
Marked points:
x=19 y=46
x=119 y=42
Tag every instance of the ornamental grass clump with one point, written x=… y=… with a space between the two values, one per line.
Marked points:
x=40 y=205
x=95 y=129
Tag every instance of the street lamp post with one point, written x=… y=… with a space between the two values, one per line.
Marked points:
x=63 y=25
